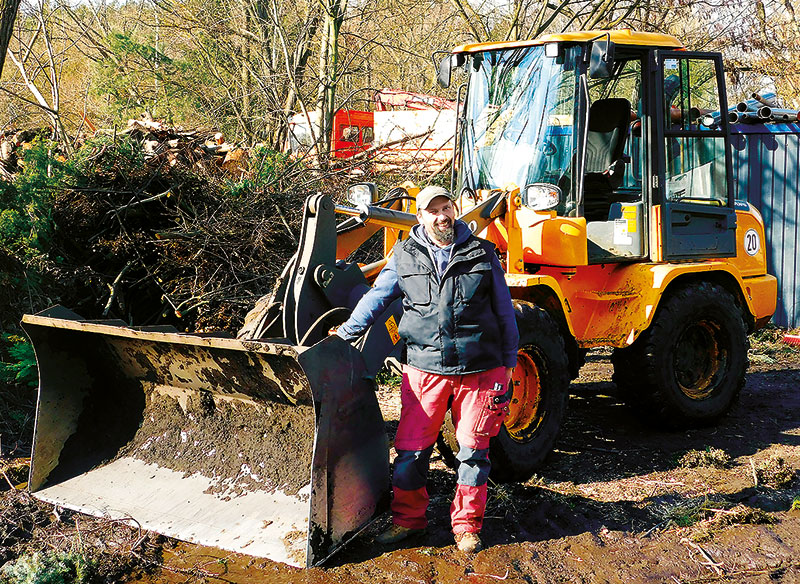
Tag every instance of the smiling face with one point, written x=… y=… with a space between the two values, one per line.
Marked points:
x=438 y=219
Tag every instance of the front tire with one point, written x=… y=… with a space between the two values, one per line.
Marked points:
x=688 y=367
x=539 y=400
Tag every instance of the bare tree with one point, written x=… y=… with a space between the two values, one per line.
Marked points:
x=8 y=14
x=333 y=12
x=40 y=64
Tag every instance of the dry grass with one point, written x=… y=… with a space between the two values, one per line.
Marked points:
x=710 y=457
x=775 y=472
x=113 y=549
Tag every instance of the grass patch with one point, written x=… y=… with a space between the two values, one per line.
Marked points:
x=767 y=345
x=710 y=458
x=720 y=518
x=388 y=378
x=740 y=515
x=48 y=568
x=686 y=513
x=775 y=472
x=710 y=515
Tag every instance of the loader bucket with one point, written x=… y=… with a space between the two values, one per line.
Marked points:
x=258 y=447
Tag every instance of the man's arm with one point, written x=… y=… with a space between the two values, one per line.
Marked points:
x=504 y=311
x=372 y=304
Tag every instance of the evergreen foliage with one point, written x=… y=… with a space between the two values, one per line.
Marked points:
x=22 y=366
x=48 y=568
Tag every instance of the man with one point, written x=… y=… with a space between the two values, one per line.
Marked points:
x=461 y=343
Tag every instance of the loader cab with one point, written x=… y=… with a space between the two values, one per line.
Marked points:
x=620 y=144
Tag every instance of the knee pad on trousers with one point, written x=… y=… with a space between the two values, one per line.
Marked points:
x=473 y=466
x=411 y=468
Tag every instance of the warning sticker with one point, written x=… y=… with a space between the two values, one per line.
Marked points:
x=391 y=326
x=630 y=213
x=621 y=234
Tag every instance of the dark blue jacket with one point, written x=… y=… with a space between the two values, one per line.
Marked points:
x=458 y=317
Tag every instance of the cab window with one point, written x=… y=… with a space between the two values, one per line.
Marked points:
x=695 y=149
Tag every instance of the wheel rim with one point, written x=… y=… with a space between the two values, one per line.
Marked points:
x=699 y=359
x=523 y=409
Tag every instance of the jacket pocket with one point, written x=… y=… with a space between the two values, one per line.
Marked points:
x=417 y=289
x=476 y=279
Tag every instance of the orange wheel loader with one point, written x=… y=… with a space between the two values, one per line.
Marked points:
x=582 y=156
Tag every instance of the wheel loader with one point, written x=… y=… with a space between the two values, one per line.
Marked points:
x=613 y=209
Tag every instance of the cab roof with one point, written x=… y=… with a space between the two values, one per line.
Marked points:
x=620 y=37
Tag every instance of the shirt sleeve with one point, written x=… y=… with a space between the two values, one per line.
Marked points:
x=504 y=311
x=385 y=291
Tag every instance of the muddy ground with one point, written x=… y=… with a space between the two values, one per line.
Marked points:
x=618 y=501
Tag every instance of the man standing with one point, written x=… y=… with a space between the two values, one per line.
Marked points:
x=461 y=342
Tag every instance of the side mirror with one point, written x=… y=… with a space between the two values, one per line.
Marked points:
x=445 y=71
x=542 y=196
x=601 y=60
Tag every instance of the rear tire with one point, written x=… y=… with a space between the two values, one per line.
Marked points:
x=538 y=402
x=689 y=366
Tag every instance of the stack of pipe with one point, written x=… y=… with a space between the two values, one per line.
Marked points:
x=761 y=108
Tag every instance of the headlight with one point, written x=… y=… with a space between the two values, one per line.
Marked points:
x=542 y=196
x=362 y=194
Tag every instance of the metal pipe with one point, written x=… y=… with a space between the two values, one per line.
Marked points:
x=767 y=98
x=696 y=112
x=784 y=115
x=748 y=105
x=764 y=112
x=710 y=120
x=744 y=118
x=380 y=216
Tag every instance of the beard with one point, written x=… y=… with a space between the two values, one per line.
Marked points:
x=443 y=234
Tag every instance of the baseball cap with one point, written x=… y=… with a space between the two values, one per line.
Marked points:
x=429 y=193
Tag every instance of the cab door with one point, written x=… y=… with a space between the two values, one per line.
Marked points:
x=692 y=156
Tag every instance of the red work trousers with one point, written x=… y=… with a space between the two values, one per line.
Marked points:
x=479 y=405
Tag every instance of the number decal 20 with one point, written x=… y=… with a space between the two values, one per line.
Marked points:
x=752 y=242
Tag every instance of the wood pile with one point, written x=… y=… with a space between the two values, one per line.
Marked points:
x=206 y=151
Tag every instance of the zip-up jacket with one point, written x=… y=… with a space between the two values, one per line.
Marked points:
x=457 y=311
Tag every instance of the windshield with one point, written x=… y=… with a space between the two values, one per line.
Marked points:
x=519 y=117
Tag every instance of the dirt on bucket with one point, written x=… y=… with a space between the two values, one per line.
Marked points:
x=241 y=445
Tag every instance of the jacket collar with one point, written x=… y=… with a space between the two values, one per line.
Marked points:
x=464 y=248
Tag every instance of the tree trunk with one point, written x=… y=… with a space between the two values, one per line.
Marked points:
x=244 y=73
x=296 y=70
x=8 y=14
x=333 y=16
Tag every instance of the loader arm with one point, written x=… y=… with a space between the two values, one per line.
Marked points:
x=316 y=292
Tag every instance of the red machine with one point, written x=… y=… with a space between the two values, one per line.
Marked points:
x=353 y=132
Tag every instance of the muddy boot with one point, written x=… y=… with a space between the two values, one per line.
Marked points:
x=397 y=533
x=468 y=542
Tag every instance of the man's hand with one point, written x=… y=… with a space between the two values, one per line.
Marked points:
x=509 y=373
